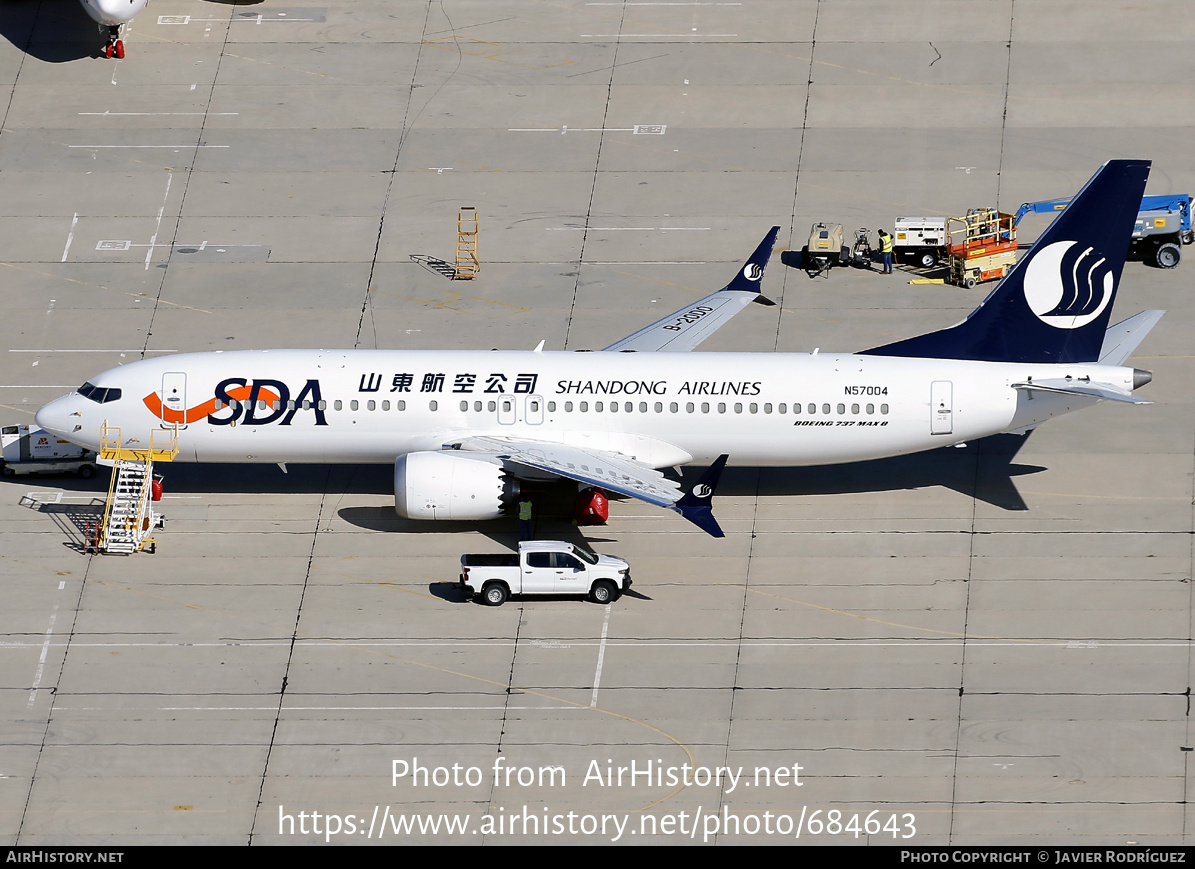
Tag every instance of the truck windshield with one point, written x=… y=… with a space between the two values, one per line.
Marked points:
x=587 y=557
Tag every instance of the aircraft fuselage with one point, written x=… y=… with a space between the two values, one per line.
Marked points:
x=665 y=409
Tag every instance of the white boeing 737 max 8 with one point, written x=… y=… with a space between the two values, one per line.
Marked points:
x=464 y=428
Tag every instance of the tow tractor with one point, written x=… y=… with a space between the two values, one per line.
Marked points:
x=28 y=449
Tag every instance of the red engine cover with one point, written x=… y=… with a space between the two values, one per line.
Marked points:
x=592 y=507
x=156 y=490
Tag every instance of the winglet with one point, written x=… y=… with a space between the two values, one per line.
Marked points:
x=684 y=329
x=696 y=506
x=751 y=274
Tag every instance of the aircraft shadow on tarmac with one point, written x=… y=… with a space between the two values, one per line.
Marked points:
x=984 y=469
x=53 y=32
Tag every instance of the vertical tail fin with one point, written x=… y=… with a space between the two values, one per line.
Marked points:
x=1055 y=303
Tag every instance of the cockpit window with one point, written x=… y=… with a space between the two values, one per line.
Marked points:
x=98 y=394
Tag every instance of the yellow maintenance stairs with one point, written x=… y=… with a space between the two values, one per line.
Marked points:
x=467 y=264
x=129 y=516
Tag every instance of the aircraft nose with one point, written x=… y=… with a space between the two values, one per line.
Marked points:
x=59 y=418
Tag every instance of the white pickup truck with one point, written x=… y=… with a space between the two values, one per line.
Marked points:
x=544 y=567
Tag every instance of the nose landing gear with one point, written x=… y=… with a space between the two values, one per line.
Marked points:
x=115 y=44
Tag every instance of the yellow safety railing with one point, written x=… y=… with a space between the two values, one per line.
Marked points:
x=162 y=447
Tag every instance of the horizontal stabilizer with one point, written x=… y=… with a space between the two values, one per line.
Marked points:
x=1122 y=339
x=1085 y=390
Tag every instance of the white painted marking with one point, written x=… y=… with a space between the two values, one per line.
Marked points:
x=630 y=228
x=153 y=239
x=440 y=169
x=934 y=643
x=53 y=496
x=257 y=19
x=656 y=35
x=176 y=147
x=61 y=584
x=41 y=663
x=567 y=129
x=70 y=236
x=597 y=676
x=121 y=352
x=140 y=114
x=274 y=708
x=113 y=244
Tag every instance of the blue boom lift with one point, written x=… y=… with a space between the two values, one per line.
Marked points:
x=1163 y=226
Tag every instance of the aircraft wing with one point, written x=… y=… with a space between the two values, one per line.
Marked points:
x=683 y=330
x=613 y=472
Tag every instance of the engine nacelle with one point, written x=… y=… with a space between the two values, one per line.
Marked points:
x=449 y=485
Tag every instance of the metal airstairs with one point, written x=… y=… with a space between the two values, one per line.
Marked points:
x=129 y=516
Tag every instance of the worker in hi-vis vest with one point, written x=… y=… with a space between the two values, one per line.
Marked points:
x=525 y=519
x=886 y=242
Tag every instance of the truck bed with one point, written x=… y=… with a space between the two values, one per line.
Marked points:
x=498 y=559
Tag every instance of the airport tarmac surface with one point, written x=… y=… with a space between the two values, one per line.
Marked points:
x=985 y=645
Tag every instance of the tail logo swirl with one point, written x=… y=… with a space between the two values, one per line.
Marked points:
x=1068 y=286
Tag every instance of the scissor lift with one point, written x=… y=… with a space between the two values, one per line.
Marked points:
x=983 y=246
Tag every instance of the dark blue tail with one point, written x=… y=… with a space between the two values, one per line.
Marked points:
x=1055 y=303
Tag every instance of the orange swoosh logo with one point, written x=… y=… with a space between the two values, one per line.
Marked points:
x=199 y=411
